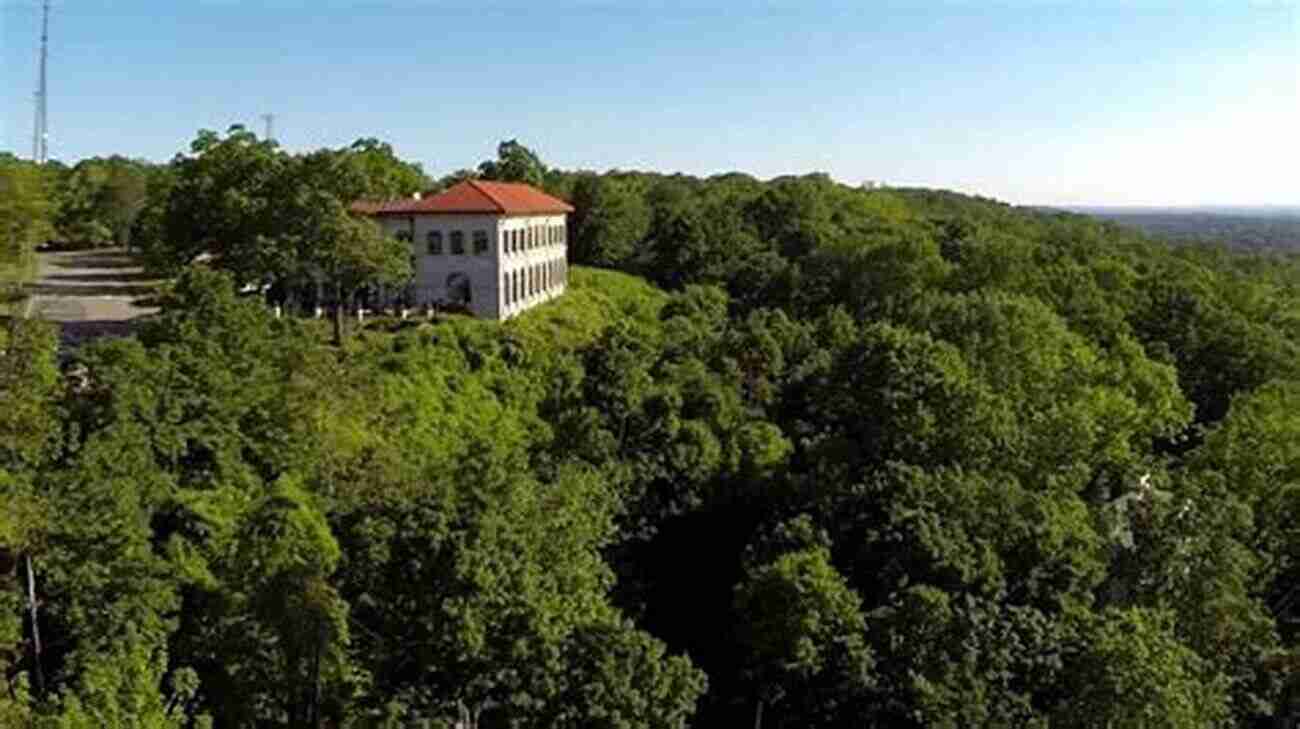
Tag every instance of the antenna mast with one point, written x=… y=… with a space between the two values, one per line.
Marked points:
x=40 y=131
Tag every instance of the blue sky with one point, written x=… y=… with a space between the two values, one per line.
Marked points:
x=1091 y=102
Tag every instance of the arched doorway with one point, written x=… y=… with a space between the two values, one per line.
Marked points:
x=458 y=289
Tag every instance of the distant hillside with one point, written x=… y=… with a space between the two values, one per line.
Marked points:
x=1251 y=228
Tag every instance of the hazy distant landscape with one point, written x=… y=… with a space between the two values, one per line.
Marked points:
x=1270 y=227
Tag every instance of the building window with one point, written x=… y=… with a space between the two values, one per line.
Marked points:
x=434 y=242
x=403 y=235
x=480 y=242
x=458 y=243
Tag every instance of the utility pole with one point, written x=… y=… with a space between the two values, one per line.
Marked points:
x=40 y=130
x=270 y=127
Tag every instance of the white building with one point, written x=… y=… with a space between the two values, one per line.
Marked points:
x=496 y=248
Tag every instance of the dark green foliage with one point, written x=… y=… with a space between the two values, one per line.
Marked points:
x=101 y=200
x=610 y=221
x=514 y=163
x=274 y=220
x=802 y=630
x=895 y=458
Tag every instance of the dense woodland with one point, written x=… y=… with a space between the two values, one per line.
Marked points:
x=788 y=454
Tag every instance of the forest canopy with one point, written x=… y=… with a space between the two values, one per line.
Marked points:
x=787 y=454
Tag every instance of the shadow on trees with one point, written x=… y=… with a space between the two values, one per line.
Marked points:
x=74 y=290
x=75 y=332
x=105 y=259
x=108 y=277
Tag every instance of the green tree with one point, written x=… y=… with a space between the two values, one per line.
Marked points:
x=365 y=170
x=621 y=677
x=26 y=208
x=226 y=203
x=802 y=632
x=1132 y=671
x=120 y=689
x=344 y=251
x=278 y=572
x=514 y=163
x=100 y=200
x=609 y=221
x=30 y=387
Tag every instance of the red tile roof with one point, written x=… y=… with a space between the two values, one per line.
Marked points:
x=473 y=196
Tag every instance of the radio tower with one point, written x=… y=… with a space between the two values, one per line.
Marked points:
x=40 y=132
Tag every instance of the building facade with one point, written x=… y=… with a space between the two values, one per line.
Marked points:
x=493 y=248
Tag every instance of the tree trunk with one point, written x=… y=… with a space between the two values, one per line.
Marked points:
x=33 y=611
x=758 y=714
x=316 y=689
x=338 y=316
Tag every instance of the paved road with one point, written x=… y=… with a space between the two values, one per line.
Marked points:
x=88 y=293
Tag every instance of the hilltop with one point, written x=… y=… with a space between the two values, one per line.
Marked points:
x=786 y=453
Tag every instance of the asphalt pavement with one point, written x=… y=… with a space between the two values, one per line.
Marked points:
x=89 y=293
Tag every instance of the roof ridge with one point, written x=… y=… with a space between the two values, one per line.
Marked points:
x=501 y=207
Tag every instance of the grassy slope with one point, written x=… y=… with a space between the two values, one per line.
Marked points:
x=595 y=299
